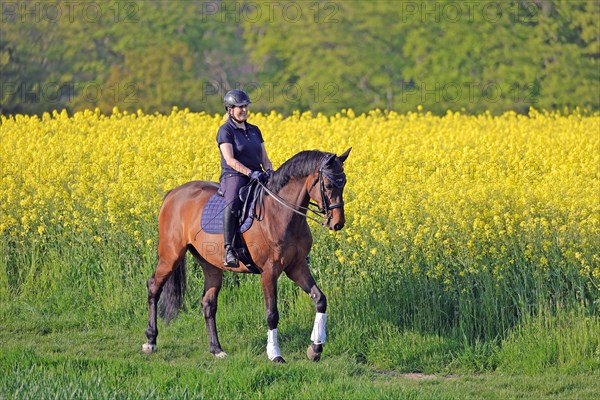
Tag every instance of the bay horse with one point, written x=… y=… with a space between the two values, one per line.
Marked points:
x=278 y=242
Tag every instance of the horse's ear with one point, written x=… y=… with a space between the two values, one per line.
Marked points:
x=343 y=157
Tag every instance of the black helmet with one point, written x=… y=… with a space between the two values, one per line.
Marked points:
x=237 y=98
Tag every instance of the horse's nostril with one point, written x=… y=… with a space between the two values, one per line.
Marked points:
x=338 y=226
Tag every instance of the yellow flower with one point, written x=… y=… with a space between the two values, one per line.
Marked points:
x=443 y=196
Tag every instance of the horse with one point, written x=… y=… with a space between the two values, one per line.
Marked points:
x=279 y=241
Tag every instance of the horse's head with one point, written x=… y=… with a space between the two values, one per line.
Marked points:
x=327 y=186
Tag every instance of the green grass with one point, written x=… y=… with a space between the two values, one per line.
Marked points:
x=67 y=357
x=73 y=315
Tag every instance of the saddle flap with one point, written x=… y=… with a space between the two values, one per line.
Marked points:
x=247 y=195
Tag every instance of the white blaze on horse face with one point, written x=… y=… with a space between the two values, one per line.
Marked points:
x=318 y=334
x=272 y=346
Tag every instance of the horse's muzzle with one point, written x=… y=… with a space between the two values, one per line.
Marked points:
x=338 y=226
x=337 y=219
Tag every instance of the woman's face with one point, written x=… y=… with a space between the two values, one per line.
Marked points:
x=240 y=113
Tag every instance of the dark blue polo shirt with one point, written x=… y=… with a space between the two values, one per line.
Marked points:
x=246 y=144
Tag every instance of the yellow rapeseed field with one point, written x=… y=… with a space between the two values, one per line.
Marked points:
x=442 y=197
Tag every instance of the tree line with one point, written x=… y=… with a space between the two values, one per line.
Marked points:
x=315 y=55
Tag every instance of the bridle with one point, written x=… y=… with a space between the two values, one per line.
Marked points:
x=337 y=179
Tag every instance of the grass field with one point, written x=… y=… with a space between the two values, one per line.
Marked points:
x=469 y=266
x=67 y=358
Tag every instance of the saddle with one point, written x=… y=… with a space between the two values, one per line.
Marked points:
x=212 y=219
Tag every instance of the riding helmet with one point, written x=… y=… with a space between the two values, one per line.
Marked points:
x=236 y=97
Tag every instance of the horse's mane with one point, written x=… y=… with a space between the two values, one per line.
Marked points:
x=302 y=164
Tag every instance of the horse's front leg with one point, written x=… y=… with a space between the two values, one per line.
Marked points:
x=302 y=276
x=318 y=334
x=269 y=284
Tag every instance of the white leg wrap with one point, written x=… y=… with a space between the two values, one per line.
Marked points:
x=272 y=346
x=318 y=335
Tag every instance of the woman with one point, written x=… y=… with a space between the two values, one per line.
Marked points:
x=243 y=157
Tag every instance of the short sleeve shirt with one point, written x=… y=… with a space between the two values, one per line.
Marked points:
x=247 y=146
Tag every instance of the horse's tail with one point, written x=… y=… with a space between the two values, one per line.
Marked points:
x=173 y=293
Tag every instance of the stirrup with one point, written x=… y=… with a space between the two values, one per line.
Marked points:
x=231 y=259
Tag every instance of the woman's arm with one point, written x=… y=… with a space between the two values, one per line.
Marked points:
x=227 y=151
x=266 y=163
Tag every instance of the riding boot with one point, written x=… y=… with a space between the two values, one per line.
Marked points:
x=229 y=228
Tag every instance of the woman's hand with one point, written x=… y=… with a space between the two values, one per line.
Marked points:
x=259 y=176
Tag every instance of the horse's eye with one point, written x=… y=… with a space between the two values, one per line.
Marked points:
x=328 y=186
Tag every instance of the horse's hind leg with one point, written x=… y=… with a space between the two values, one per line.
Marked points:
x=164 y=269
x=213 y=279
x=302 y=276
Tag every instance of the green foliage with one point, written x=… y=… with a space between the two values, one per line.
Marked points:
x=73 y=316
x=552 y=340
x=320 y=56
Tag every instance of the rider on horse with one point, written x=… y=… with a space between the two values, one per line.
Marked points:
x=243 y=157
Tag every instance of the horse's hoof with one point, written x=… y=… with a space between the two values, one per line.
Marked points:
x=278 y=360
x=220 y=354
x=148 y=348
x=312 y=354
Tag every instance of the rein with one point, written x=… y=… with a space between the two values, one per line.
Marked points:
x=300 y=210
x=337 y=179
